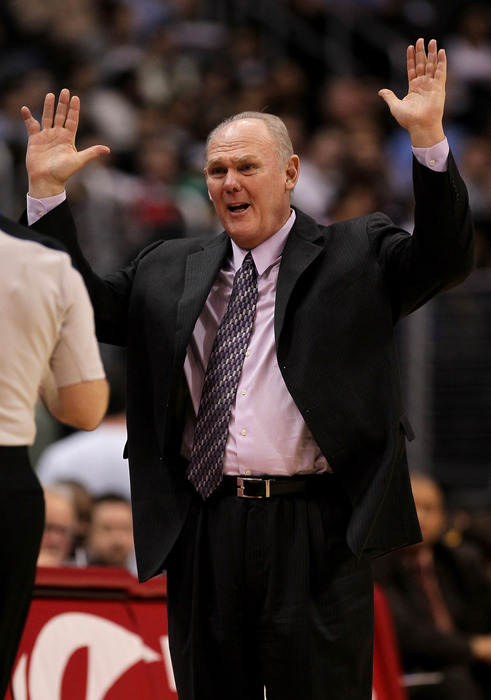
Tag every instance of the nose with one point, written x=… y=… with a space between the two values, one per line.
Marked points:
x=232 y=182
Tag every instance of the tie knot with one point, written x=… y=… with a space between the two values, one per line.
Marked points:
x=245 y=280
x=248 y=264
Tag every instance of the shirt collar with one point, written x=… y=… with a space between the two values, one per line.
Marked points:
x=266 y=253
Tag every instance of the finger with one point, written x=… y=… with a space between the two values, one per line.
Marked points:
x=411 y=62
x=432 y=58
x=32 y=125
x=441 y=66
x=73 y=114
x=62 y=108
x=420 y=57
x=48 y=111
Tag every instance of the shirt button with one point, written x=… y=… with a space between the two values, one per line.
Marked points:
x=243 y=392
x=432 y=162
x=243 y=432
x=248 y=472
x=247 y=353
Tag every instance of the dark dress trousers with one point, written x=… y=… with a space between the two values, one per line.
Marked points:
x=22 y=523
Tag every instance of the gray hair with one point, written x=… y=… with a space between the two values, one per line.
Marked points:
x=276 y=126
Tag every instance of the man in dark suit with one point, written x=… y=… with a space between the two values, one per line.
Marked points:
x=269 y=575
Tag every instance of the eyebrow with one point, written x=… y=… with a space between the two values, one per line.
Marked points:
x=236 y=161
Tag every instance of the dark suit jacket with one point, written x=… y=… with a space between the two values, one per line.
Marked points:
x=341 y=289
x=29 y=234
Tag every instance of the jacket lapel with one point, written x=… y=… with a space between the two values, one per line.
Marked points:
x=201 y=270
x=301 y=249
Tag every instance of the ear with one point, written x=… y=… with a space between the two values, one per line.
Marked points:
x=292 y=172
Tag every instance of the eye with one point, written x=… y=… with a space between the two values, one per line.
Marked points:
x=217 y=171
x=247 y=168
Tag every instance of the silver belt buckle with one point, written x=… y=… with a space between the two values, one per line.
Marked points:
x=241 y=480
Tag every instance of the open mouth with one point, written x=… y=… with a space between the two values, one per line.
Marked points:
x=238 y=208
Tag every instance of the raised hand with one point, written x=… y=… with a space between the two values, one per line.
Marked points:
x=51 y=157
x=421 y=111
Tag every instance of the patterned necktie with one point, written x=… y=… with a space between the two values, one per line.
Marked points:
x=205 y=469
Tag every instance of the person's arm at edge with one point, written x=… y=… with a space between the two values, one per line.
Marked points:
x=74 y=388
x=82 y=405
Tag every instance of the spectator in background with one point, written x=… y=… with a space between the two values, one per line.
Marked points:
x=48 y=349
x=441 y=603
x=60 y=527
x=110 y=534
x=358 y=196
x=469 y=524
x=477 y=535
x=163 y=204
x=322 y=171
x=82 y=500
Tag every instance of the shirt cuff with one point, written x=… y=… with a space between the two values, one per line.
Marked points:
x=435 y=158
x=36 y=208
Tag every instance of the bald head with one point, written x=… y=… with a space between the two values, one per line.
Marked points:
x=276 y=127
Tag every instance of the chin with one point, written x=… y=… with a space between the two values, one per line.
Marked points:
x=243 y=240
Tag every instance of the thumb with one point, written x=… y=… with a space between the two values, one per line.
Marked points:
x=31 y=124
x=92 y=152
x=389 y=97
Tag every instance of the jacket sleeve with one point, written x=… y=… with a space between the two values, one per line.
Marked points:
x=440 y=252
x=109 y=295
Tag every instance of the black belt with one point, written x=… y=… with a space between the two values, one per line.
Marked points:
x=268 y=487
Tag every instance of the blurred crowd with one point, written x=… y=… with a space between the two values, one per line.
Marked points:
x=154 y=76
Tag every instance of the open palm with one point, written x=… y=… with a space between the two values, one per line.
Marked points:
x=421 y=110
x=51 y=157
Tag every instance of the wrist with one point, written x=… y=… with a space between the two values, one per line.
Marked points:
x=426 y=138
x=43 y=189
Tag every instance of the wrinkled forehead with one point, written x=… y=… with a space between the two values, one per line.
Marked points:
x=241 y=137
